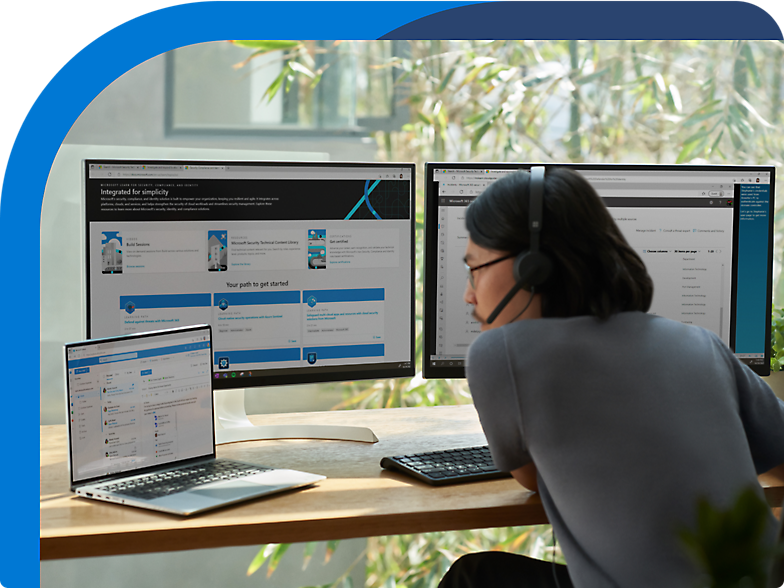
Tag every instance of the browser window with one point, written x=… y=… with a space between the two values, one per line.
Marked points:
x=703 y=234
x=295 y=266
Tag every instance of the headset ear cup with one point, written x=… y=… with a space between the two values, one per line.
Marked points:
x=532 y=269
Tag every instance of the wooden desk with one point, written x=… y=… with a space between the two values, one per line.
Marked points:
x=358 y=498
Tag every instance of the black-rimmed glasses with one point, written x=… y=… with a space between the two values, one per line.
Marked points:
x=470 y=270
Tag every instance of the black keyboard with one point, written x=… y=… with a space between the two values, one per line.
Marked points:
x=450 y=466
x=179 y=480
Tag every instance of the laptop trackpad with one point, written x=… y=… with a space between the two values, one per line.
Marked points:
x=233 y=490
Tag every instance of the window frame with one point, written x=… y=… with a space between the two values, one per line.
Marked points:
x=399 y=116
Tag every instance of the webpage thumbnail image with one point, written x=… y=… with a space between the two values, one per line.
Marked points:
x=217 y=251
x=317 y=249
x=111 y=252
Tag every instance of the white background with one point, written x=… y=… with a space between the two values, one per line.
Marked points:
x=37 y=38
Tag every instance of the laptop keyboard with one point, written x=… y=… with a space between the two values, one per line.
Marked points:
x=450 y=466
x=179 y=480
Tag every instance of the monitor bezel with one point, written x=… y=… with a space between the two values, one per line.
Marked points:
x=430 y=246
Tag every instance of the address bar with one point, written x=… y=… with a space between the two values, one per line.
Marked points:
x=123 y=357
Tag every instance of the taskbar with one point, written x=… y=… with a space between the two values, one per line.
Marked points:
x=755 y=361
x=751 y=360
x=447 y=362
x=260 y=377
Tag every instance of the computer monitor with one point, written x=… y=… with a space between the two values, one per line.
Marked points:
x=705 y=234
x=304 y=270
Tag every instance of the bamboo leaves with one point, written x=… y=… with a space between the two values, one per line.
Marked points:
x=421 y=560
x=273 y=553
x=630 y=101
x=704 y=112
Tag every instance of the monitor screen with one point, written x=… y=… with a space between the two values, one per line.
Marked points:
x=305 y=271
x=705 y=234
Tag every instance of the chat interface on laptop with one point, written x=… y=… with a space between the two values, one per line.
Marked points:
x=704 y=233
x=304 y=271
x=139 y=402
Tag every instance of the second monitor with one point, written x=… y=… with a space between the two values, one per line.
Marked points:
x=704 y=233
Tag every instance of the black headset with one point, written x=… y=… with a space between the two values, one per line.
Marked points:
x=531 y=268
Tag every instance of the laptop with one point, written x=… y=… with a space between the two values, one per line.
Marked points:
x=141 y=430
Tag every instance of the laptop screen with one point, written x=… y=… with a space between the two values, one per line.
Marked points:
x=139 y=401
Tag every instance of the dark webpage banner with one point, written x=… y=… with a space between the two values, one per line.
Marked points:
x=753 y=286
x=268 y=200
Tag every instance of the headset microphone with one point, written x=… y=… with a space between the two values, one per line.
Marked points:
x=531 y=268
x=501 y=305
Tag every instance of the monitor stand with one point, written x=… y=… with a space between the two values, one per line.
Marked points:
x=232 y=424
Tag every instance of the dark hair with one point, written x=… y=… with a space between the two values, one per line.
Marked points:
x=595 y=271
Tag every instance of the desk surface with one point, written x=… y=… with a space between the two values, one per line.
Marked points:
x=358 y=498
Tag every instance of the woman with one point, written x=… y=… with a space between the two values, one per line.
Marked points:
x=620 y=419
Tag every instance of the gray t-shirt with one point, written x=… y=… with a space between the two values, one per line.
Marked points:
x=628 y=421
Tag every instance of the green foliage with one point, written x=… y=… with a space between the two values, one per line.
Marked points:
x=728 y=545
x=272 y=553
x=777 y=340
x=419 y=561
x=625 y=101
x=268 y=46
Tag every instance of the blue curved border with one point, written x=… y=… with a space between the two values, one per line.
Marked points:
x=121 y=49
